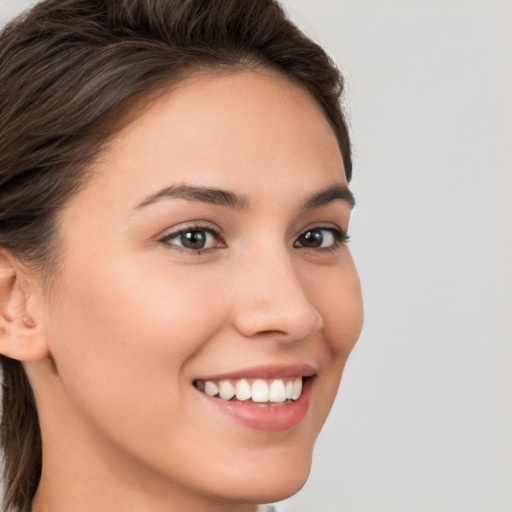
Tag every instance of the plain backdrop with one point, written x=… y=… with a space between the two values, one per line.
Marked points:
x=423 y=420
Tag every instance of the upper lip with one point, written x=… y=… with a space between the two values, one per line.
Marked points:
x=264 y=372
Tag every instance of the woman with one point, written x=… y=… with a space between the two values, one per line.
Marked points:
x=177 y=296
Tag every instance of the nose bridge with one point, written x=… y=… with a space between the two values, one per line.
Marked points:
x=272 y=299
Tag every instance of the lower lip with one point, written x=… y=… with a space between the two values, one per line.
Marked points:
x=266 y=418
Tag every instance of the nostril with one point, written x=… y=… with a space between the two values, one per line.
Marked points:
x=275 y=303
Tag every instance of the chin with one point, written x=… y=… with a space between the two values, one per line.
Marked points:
x=276 y=481
x=279 y=491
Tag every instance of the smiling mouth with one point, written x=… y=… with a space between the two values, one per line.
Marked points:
x=258 y=392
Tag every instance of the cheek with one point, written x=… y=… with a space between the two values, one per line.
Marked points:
x=344 y=318
x=123 y=334
x=337 y=296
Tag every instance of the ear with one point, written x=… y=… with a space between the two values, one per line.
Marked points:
x=22 y=336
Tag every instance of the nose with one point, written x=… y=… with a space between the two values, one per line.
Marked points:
x=272 y=300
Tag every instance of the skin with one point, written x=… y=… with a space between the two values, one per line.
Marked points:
x=134 y=318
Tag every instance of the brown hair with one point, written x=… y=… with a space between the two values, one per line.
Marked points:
x=68 y=70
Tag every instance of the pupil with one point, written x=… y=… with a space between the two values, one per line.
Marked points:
x=312 y=239
x=193 y=239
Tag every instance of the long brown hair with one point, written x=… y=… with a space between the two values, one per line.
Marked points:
x=68 y=70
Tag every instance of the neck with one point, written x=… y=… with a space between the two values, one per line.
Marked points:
x=85 y=487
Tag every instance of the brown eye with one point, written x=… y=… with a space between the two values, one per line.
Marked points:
x=320 y=238
x=312 y=238
x=193 y=239
x=196 y=239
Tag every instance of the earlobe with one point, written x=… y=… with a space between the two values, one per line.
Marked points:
x=21 y=333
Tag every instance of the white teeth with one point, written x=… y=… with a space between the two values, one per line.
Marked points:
x=277 y=391
x=210 y=388
x=226 y=390
x=259 y=391
x=289 y=389
x=243 y=390
x=297 y=389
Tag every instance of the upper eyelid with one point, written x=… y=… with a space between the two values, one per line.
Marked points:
x=195 y=226
x=323 y=225
x=218 y=233
x=217 y=230
x=341 y=231
x=166 y=237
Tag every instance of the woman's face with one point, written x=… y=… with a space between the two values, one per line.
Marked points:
x=207 y=251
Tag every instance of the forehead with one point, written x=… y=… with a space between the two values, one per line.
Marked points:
x=225 y=130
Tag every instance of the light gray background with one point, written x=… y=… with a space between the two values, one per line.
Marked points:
x=423 y=420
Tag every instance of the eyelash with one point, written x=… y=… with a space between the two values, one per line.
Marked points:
x=340 y=239
x=217 y=234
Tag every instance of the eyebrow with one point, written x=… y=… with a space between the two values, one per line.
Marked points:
x=239 y=202
x=332 y=193
x=200 y=194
